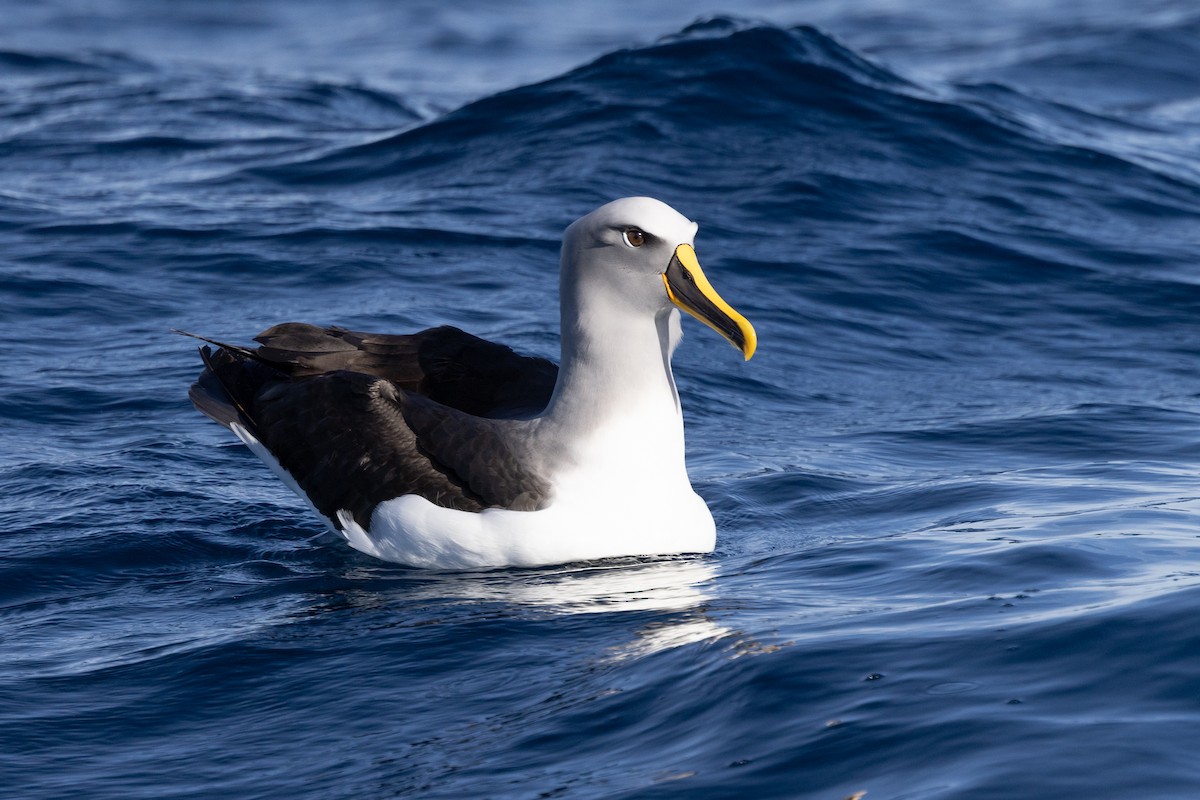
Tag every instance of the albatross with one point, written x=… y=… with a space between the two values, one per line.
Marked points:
x=439 y=449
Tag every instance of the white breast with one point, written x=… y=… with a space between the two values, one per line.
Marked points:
x=626 y=493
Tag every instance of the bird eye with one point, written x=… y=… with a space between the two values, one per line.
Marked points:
x=634 y=237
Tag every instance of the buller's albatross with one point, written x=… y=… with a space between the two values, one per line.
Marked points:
x=439 y=449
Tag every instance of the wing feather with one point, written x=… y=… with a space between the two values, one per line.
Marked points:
x=447 y=365
x=352 y=440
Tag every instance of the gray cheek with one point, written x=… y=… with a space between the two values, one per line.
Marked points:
x=669 y=333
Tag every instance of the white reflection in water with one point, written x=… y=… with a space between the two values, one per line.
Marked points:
x=681 y=589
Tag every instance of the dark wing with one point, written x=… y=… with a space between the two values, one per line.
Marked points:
x=445 y=364
x=352 y=440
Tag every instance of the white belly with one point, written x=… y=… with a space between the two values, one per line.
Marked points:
x=411 y=530
x=627 y=494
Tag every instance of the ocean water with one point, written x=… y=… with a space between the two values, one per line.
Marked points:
x=957 y=490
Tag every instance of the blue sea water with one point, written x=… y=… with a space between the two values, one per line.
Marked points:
x=957 y=490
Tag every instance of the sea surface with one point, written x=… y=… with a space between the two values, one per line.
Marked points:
x=957 y=490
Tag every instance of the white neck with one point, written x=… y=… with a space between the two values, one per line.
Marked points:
x=615 y=398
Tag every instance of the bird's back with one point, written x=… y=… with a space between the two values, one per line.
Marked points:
x=356 y=419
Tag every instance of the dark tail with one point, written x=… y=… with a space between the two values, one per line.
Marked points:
x=232 y=376
x=244 y=352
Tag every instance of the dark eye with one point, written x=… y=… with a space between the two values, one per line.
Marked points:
x=634 y=237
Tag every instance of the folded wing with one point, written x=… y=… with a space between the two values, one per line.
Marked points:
x=357 y=419
x=445 y=364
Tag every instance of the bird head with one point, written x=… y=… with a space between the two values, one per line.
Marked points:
x=641 y=251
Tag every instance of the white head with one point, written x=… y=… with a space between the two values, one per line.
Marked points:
x=635 y=255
